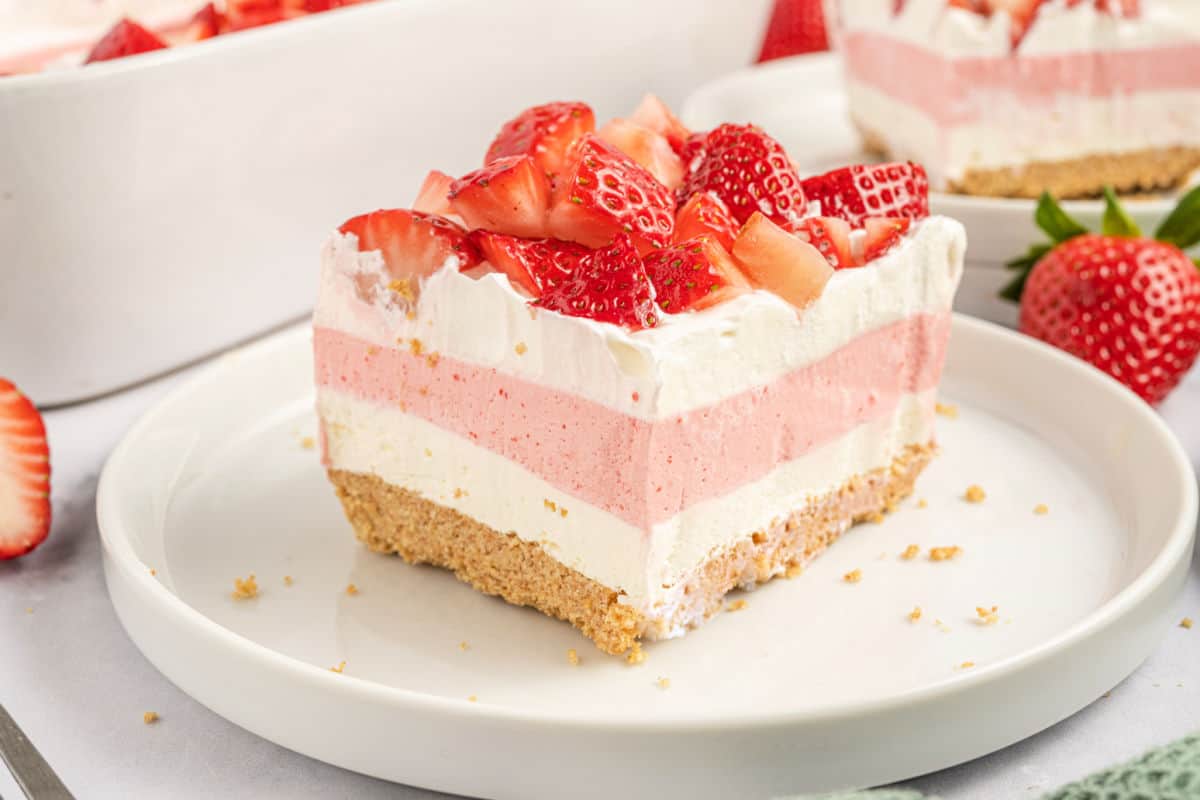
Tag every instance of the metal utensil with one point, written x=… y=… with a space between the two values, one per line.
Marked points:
x=33 y=774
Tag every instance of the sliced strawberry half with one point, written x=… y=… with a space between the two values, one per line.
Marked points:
x=610 y=285
x=412 y=244
x=646 y=147
x=535 y=265
x=653 y=113
x=544 y=133
x=126 y=38
x=750 y=172
x=702 y=214
x=831 y=237
x=694 y=275
x=870 y=190
x=604 y=192
x=434 y=197
x=205 y=24
x=509 y=195
x=24 y=474
x=883 y=234
x=692 y=150
x=775 y=260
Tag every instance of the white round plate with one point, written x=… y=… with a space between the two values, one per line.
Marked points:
x=817 y=684
x=800 y=101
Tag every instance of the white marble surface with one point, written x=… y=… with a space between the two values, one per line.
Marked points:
x=78 y=687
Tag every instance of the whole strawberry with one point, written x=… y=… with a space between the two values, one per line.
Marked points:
x=1127 y=304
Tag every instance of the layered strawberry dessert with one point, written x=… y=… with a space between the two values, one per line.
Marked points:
x=615 y=374
x=1013 y=97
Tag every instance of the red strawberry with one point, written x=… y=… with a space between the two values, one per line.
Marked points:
x=533 y=264
x=883 y=233
x=412 y=244
x=776 y=260
x=796 y=26
x=750 y=172
x=831 y=237
x=242 y=14
x=691 y=152
x=1120 y=8
x=1126 y=304
x=653 y=113
x=434 y=197
x=1021 y=12
x=609 y=285
x=24 y=475
x=871 y=190
x=205 y=24
x=604 y=192
x=126 y=38
x=650 y=149
x=509 y=195
x=544 y=133
x=694 y=275
x=704 y=213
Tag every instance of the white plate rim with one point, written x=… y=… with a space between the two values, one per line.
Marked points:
x=119 y=551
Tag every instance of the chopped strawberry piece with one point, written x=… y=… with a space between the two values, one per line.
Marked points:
x=1021 y=12
x=126 y=38
x=609 y=285
x=883 y=233
x=24 y=474
x=776 y=260
x=796 y=26
x=509 y=195
x=750 y=171
x=871 y=190
x=434 y=197
x=243 y=14
x=205 y=24
x=545 y=133
x=831 y=237
x=412 y=244
x=694 y=275
x=604 y=192
x=646 y=147
x=704 y=213
x=535 y=265
x=653 y=113
x=692 y=150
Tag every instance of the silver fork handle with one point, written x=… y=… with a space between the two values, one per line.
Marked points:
x=33 y=774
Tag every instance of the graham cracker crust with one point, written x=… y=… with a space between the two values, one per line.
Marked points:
x=1139 y=172
x=391 y=519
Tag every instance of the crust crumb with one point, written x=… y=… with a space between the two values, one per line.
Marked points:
x=1041 y=508
x=1186 y=623
x=415 y=346
x=351 y=589
x=966 y=665
x=550 y=504
x=339 y=668
x=875 y=517
x=636 y=655
x=975 y=494
x=432 y=360
x=562 y=512
x=915 y=614
x=246 y=589
x=853 y=576
x=521 y=349
x=150 y=717
x=987 y=616
x=944 y=553
x=288 y=580
x=464 y=645
x=664 y=683
x=573 y=657
x=372 y=351
x=403 y=288
x=922 y=503
x=153 y=572
x=307 y=443
x=948 y=410
x=736 y=605
x=910 y=552
x=459 y=493
x=472 y=699
x=428 y=453
x=794 y=570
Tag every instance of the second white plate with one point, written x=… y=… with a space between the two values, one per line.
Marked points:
x=818 y=684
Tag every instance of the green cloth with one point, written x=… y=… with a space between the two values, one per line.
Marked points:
x=1171 y=772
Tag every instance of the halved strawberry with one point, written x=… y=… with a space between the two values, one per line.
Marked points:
x=705 y=213
x=883 y=233
x=24 y=474
x=653 y=113
x=694 y=275
x=692 y=150
x=776 y=260
x=509 y=195
x=533 y=264
x=831 y=237
x=544 y=133
x=609 y=285
x=646 y=147
x=604 y=192
x=242 y=14
x=749 y=171
x=412 y=244
x=871 y=190
x=126 y=38
x=205 y=24
x=434 y=197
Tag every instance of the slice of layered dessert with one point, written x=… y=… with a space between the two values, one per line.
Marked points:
x=1013 y=97
x=615 y=374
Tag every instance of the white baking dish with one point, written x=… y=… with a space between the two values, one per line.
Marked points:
x=161 y=207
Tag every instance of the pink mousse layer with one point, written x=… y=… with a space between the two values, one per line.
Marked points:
x=957 y=90
x=644 y=471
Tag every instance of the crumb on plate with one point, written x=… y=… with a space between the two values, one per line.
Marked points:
x=948 y=410
x=573 y=657
x=664 y=683
x=351 y=589
x=149 y=717
x=472 y=699
x=1186 y=623
x=736 y=605
x=308 y=443
x=521 y=349
x=636 y=655
x=1041 y=509
x=910 y=552
x=245 y=589
x=464 y=645
x=288 y=580
x=922 y=503
x=944 y=553
x=915 y=614
x=966 y=665
x=853 y=576
x=987 y=616
x=339 y=669
x=975 y=494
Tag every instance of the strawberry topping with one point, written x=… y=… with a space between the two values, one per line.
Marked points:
x=831 y=237
x=693 y=275
x=653 y=113
x=126 y=38
x=750 y=172
x=509 y=195
x=871 y=190
x=609 y=285
x=776 y=260
x=533 y=264
x=412 y=244
x=544 y=133
x=434 y=197
x=24 y=474
x=883 y=233
x=704 y=213
x=646 y=147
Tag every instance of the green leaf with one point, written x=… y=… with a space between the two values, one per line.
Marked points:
x=1182 y=227
x=1030 y=258
x=1057 y=224
x=1116 y=222
x=1022 y=267
x=1015 y=287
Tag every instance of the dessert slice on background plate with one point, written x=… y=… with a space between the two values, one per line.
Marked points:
x=616 y=375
